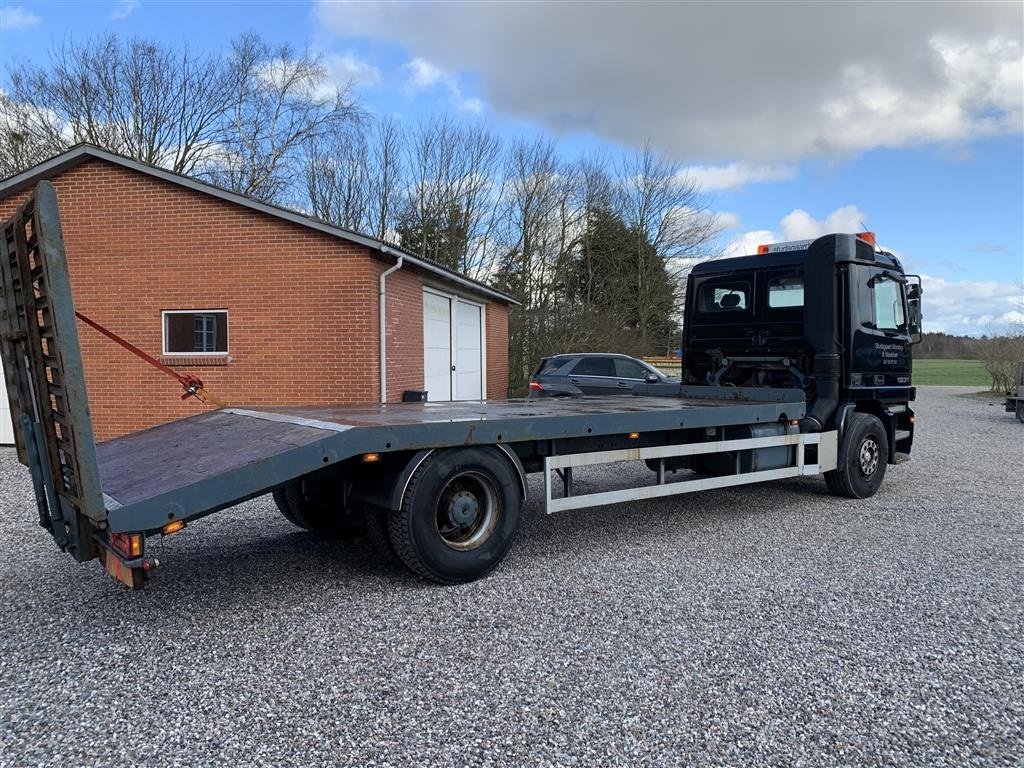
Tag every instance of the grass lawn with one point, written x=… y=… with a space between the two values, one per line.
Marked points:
x=951 y=373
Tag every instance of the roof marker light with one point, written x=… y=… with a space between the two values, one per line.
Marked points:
x=800 y=245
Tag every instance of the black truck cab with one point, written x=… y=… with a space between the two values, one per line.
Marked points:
x=835 y=316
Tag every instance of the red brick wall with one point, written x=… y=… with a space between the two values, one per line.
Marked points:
x=404 y=308
x=497 y=351
x=303 y=316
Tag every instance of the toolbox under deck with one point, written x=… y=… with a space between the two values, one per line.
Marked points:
x=215 y=459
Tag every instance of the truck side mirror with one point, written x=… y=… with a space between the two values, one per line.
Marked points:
x=914 y=308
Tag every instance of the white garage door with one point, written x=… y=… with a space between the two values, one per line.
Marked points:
x=6 y=428
x=468 y=362
x=452 y=348
x=437 y=346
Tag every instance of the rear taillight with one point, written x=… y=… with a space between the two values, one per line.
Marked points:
x=536 y=385
x=129 y=545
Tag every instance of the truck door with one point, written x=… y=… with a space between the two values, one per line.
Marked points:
x=880 y=340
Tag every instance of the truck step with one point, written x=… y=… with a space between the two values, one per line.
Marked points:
x=902 y=457
x=902 y=434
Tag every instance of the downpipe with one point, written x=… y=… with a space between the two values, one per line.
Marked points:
x=382 y=303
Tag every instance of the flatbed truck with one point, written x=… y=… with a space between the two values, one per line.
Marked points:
x=1015 y=397
x=797 y=364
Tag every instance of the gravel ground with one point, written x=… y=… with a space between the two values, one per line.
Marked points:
x=767 y=625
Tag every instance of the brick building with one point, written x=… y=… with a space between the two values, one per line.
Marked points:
x=267 y=306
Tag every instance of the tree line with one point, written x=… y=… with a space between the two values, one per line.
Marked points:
x=593 y=247
x=999 y=353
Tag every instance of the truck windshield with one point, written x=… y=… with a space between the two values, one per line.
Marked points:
x=888 y=299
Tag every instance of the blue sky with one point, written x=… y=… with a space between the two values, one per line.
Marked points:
x=798 y=119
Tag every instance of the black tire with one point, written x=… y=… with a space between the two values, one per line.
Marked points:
x=378 y=537
x=1020 y=411
x=285 y=508
x=320 y=511
x=459 y=515
x=862 y=458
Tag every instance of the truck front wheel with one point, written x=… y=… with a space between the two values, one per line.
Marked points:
x=862 y=458
x=459 y=515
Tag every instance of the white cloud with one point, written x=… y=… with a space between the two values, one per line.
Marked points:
x=124 y=9
x=745 y=243
x=424 y=75
x=727 y=220
x=763 y=83
x=16 y=17
x=971 y=306
x=800 y=225
x=719 y=177
x=347 y=68
x=471 y=104
x=955 y=306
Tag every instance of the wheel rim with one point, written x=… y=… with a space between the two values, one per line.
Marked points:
x=869 y=455
x=467 y=511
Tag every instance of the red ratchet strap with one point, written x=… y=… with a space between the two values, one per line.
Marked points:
x=193 y=385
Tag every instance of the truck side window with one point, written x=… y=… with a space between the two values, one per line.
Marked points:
x=888 y=301
x=724 y=297
x=785 y=292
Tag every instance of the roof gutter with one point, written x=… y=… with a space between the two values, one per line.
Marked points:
x=382 y=303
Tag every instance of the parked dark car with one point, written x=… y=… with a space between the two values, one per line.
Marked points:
x=592 y=373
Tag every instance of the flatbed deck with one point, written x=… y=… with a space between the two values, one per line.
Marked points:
x=203 y=463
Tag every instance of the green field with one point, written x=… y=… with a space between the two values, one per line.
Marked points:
x=951 y=373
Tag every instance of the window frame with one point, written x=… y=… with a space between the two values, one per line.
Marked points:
x=227 y=331
x=777 y=276
x=587 y=358
x=632 y=361
x=726 y=281
x=872 y=284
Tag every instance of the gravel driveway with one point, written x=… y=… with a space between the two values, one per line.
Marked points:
x=766 y=625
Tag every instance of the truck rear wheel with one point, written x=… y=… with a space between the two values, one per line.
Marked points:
x=318 y=508
x=281 y=500
x=459 y=515
x=378 y=537
x=862 y=458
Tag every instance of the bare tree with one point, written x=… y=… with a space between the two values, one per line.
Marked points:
x=21 y=146
x=1001 y=354
x=448 y=213
x=338 y=177
x=155 y=103
x=385 y=160
x=281 y=101
x=665 y=208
